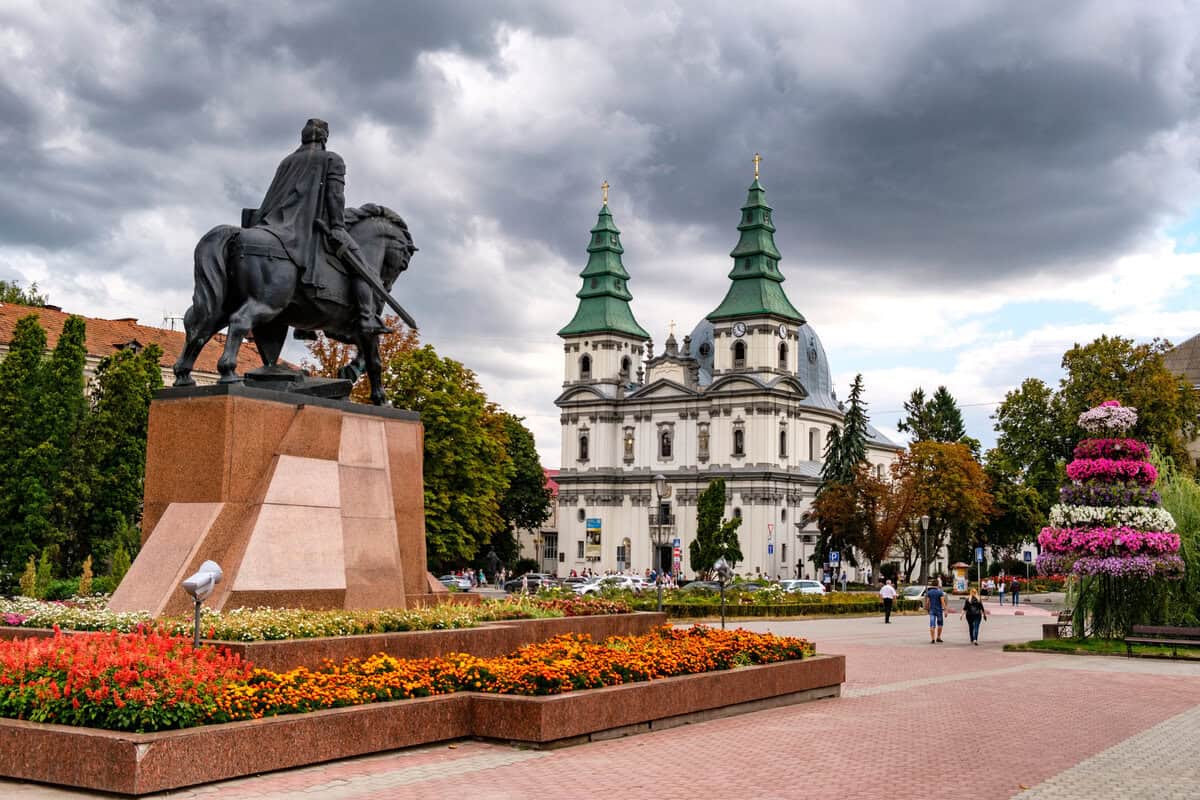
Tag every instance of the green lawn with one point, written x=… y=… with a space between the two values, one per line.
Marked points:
x=1098 y=647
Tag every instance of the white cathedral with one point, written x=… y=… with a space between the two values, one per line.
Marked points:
x=746 y=397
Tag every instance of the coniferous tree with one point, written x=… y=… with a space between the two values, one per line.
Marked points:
x=19 y=383
x=716 y=537
x=100 y=499
x=845 y=449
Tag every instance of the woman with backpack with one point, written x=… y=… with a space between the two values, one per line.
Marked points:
x=975 y=613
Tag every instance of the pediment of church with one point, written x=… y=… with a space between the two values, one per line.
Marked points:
x=662 y=388
x=580 y=394
x=736 y=383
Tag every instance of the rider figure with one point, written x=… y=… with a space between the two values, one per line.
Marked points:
x=307 y=199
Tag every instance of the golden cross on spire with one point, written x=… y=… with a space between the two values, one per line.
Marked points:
x=672 y=326
x=604 y=192
x=757 y=159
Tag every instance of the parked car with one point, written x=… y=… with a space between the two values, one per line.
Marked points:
x=536 y=580
x=700 y=586
x=456 y=582
x=629 y=582
x=802 y=586
x=916 y=593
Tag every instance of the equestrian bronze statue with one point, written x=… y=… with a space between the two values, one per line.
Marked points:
x=301 y=259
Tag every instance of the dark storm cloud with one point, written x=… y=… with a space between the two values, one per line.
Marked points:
x=923 y=142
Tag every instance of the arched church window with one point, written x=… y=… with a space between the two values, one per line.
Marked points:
x=813 y=444
x=737 y=513
x=739 y=355
x=702 y=440
x=629 y=444
x=664 y=444
x=625 y=365
x=739 y=442
x=585 y=367
x=783 y=356
x=783 y=443
x=583 y=447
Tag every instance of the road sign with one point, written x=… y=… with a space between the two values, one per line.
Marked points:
x=676 y=543
x=979 y=554
x=770 y=531
x=1028 y=556
x=770 y=549
x=834 y=556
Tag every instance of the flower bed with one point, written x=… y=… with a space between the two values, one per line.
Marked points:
x=273 y=624
x=127 y=682
x=150 y=682
x=1146 y=518
x=1118 y=541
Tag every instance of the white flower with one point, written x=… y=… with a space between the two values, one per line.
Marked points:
x=1141 y=518
x=1108 y=419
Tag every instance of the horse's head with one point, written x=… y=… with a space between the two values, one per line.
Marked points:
x=384 y=239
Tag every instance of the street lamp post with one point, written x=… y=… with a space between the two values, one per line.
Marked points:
x=660 y=485
x=925 y=549
x=723 y=572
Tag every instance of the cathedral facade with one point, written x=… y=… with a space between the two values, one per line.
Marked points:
x=746 y=397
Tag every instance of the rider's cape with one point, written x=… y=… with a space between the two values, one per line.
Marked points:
x=295 y=200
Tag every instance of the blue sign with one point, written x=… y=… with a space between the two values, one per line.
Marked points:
x=592 y=522
x=834 y=556
x=770 y=549
x=979 y=554
x=1028 y=556
x=676 y=543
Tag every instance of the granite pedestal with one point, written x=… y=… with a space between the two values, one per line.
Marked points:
x=304 y=502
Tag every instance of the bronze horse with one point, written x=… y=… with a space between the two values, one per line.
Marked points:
x=244 y=281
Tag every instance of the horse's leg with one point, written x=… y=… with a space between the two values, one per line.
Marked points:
x=269 y=339
x=206 y=315
x=268 y=285
x=368 y=348
x=200 y=327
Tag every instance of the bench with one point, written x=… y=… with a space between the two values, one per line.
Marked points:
x=1064 y=628
x=1162 y=636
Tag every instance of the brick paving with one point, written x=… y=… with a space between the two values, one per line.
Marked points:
x=915 y=721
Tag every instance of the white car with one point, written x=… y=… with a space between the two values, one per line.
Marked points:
x=632 y=583
x=795 y=586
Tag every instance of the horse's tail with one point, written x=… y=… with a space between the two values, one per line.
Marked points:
x=212 y=273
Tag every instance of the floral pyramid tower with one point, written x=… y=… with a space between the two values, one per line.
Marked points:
x=1109 y=529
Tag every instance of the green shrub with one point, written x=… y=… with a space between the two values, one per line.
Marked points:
x=63 y=589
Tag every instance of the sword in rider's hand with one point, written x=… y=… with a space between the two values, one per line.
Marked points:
x=347 y=257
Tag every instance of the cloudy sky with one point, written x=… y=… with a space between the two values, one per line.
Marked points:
x=962 y=189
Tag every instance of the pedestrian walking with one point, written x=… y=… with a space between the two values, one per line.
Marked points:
x=1016 y=591
x=975 y=613
x=1000 y=587
x=935 y=603
x=888 y=593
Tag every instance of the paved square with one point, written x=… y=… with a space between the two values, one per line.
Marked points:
x=915 y=721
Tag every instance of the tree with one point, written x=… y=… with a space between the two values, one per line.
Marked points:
x=11 y=292
x=1034 y=439
x=466 y=467
x=329 y=355
x=937 y=419
x=100 y=501
x=525 y=504
x=845 y=449
x=1018 y=508
x=953 y=490
x=20 y=373
x=1114 y=368
x=716 y=537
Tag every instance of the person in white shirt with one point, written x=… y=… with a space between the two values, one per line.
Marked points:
x=888 y=593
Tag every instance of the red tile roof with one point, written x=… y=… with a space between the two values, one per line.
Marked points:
x=552 y=484
x=106 y=336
